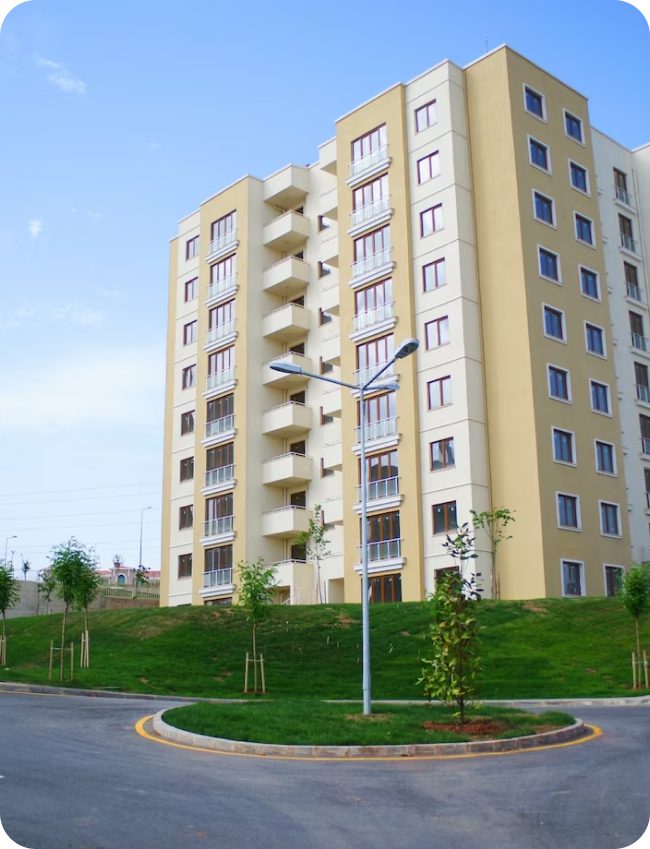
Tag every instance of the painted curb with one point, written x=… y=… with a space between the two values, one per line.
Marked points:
x=412 y=750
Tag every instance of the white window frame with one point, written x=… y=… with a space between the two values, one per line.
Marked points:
x=424 y=105
x=609 y=398
x=584 y=193
x=549 y=169
x=581 y=266
x=600 y=518
x=578 y=528
x=577 y=215
x=552 y=224
x=574 y=462
x=602 y=356
x=613 y=474
x=563 y=340
x=610 y=566
x=543 y=117
x=583 y=589
x=568 y=400
x=429 y=156
x=581 y=140
x=559 y=281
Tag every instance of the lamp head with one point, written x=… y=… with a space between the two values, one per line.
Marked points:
x=287 y=368
x=408 y=346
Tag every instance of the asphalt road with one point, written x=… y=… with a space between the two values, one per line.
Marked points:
x=75 y=775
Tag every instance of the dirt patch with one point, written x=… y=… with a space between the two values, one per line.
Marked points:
x=479 y=728
x=345 y=621
x=153 y=628
x=535 y=608
x=405 y=633
x=372 y=717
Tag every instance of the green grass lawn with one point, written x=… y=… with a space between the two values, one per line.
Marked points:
x=320 y=724
x=549 y=648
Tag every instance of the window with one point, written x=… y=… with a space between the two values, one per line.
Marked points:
x=221 y=362
x=632 y=288
x=385 y=588
x=544 y=208
x=223 y=229
x=534 y=102
x=220 y=457
x=437 y=332
x=189 y=332
x=218 y=514
x=439 y=392
x=218 y=559
x=384 y=541
x=568 y=511
x=220 y=408
x=186 y=517
x=372 y=355
x=184 y=565
x=370 y=197
x=579 y=177
x=191 y=289
x=573 y=126
x=613 y=579
x=369 y=143
x=549 y=265
x=605 y=458
x=434 y=275
x=431 y=220
x=428 y=167
x=620 y=187
x=589 y=285
x=444 y=517
x=373 y=304
x=558 y=383
x=192 y=247
x=554 y=323
x=381 y=474
x=563 y=447
x=595 y=339
x=599 y=397
x=381 y=411
x=372 y=244
x=442 y=454
x=610 y=525
x=426 y=116
x=187 y=469
x=644 y=425
x=627 y=233
x=639 y=340
x=584 y=229
x=221 y=320
x=222 y=274
x=572 y=578
x=189 y=377
x=642 y=382
x=539 y=154
x=187 y=422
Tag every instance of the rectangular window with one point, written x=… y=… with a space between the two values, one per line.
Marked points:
x=610 y=525
x=434 y=275
x=385 y=588
x=372 y=355
x=369 y=143
x=220 y=457
x=437 y=332
x=222 y=273
x=605 y=458
x=431 y=220
x=644 y=425
x=568 y=511
x=554 y=323
x=442 y=454
x=221 y=361
x=444 y=517
x=383 y=529
x=192 y=247
x=220 y=408
x=379 y=408
x=572 y=578
x=534 y=102
x=223 y=229
x=428 y=167
x=632 y=288
x=595 y=339
x=544 y=208
x=187 y=422
x=539 y=154
x=218 y=559
x=589 y=285
x=189 y=332
x=563 y=448
x=439 y=392
x=189 y=377
x=184 y=565
x=370 y=195
x=558 y=383
x=191 y=289
x=381 y=467
x=579 y=177
x=186 y=517
x=599 y=397
x=549 y=265
x=627 y=233
x=187 y=469
x=372 y=244
x=426 y=116
x=584 y=229
x=573 y=126
x=613 y=579
x=639 y=340
x=620 y=187
x=374 y=302
x=642 y=382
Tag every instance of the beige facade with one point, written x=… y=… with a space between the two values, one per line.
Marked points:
x=461 y=208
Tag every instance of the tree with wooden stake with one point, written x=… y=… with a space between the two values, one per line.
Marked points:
x=450 y=672
x=9 y=597
x=635 y=595
x=255 y=591
x=45 y=587
x=88 y=584
x=316 y=545
x=494 y=523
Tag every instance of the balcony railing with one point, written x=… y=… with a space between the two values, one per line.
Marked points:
x=219 y=426
x=370 y=160
x=645 y=444
x=386 y=488
x=363 y=375
x=218 y=527
x=378 y=430
x=623 y=195
x=643 y=393
x=223 y=242
x=371 y=262
x=369 y=211
x=222 y=287
x=220 y=331
x=220 y=378
x=388 y=549
x=628 y=243
x=639 y=342
x=217 y=578
x=223 y=474
x=633 y=291
x=364 y=320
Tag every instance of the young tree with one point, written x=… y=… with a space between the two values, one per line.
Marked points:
x=494 y=523
x=26 y=566
x=255 y=594
x=9 y=593
x=316 y=545
x=141 y=577
x=45 y=587
x=450 y=673
x=70 y=564
x=635 y=595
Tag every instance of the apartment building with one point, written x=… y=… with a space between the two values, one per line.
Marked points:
x=476 y=210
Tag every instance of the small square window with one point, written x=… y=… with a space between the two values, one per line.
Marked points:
x=186 y=517
x=589 y=283
x=428 y=167
x=444 y=517
x=572 y=578
x=605 y=458
x=595 y=339
x=610 y=525
x=439 y=392
x=568 y=511
x=184 y=565
x=544 y=208
x=189 y=332
x=437 y=332
x=563 y=447
x=549 y=265
x=558 y=383
x=187 y=469
x=442 y=454
x=573 y=126
x=599 y=397
x=426 y=116
x=434 y=275
x=191 y=289
x=534 y=102
x=431 y=220
x=579 y=177
x=192 y=248
x=554 y=323
x=539 y=154
x=584 y=229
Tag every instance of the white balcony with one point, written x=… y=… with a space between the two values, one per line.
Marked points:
x=287 y=278
x=383 y=555
x=639 y=342
x=629 y=244
x=222 y=245
x=223 y=476
x=623 y=196
x=363 y=375
x=287 y=470
x=371 y=267
x=220 y=379
x=220 y=427
x=222 y=289
x=381 y=490
x=370 y=215
x=384 y=314
x=285 y=522
x=217 y=578
x=330 y=350
x=287 y=232
x=219 y=334
x=290 y=419
x=367 y=165
x=327 y=159
x=634 y=292
x=298 y=577
x=287 y=323
x=287 y=188
x=384 y=429
x=281 y=380
x=331 y=296
x=220 y=527
x=333 y=456
x=330 y=203
x=331 y=402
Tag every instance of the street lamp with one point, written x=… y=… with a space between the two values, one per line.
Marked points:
x=409 y=346
x=142 y=512
x=13 y=536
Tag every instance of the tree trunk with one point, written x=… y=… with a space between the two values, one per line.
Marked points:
x=638 y=640
x=4 y=620
x=63 y=623
x=254 y=660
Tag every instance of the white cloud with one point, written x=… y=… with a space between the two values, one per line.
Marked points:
x=35 y=227
x=79 y=314
x=114 y=388
x=25 y=311
x=62 y=78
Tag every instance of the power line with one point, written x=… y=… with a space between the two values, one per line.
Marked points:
x=87 y=498
x=85 y=489
x=68 y=515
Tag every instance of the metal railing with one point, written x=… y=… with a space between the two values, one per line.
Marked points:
x=369 y=211
x=364 y=374
x=385 y=488
x=217 y=527
x=220 y=378
x=130 y=592
x=221 y=243
x=371 y=262
x=639 y=342
x=628 y=243
x=222 y=287
x=370 y=160
x=223 y=474
x=383 y=312
x=387 y=549
x=633 y=291
x=219 y=426
x=623 y=195
x=285 y=456
x=378 y=430
x=217 y=578
x=220 y=331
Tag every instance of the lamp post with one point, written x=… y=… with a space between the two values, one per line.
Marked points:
x=13 y=536
x=409 y=346
x=142 y=512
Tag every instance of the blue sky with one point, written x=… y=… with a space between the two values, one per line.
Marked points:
x=119 y=119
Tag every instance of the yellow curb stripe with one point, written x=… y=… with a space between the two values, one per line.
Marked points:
x=141 y=730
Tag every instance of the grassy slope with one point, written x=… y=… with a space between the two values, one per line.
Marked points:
x=549 y=648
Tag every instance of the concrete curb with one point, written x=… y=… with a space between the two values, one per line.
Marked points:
x=413 y=750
